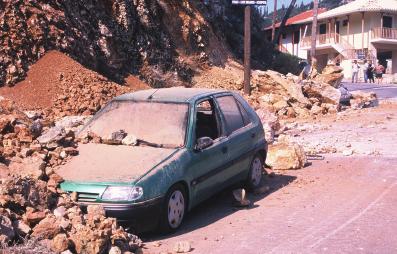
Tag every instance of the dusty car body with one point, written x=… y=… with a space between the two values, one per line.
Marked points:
x=190 y=144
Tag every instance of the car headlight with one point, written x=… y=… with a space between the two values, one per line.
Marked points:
x=122 y=193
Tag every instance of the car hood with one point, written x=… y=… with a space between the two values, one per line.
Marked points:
x=110 y=163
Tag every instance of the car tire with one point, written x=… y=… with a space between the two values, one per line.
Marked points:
x=174 y=208
x=254 y=178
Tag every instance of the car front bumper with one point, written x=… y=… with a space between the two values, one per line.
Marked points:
x=142 y=216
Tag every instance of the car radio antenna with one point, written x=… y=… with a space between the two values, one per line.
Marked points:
x=151 y=96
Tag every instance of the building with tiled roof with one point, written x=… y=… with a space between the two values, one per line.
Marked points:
x=359 y=30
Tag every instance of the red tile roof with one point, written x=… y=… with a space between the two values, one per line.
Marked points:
x=301 y=16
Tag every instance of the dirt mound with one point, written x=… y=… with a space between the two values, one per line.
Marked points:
x=42 y=84
x=61 y=86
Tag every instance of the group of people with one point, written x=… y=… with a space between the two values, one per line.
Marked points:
x=369 y=71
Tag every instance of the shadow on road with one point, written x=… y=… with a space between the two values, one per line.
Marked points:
x=220 y=206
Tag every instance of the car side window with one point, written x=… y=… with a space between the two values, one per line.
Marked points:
x=206 y=120
x=231 y=112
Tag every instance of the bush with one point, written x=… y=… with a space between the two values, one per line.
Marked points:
x=286 y=63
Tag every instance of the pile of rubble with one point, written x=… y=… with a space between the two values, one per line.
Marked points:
x=289 y=96
x=83 y=93
x=31 y=204
x=31 y=208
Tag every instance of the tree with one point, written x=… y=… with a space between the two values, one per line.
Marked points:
x=282 y=25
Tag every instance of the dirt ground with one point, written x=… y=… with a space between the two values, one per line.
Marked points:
x=342 y=204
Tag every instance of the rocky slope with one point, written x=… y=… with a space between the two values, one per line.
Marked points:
x=114 y=37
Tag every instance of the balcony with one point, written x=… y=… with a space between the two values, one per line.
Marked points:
x=384 y=35
x=322 y=41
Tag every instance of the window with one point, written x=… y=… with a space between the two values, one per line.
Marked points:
x=206 y=120
x=244 y=113
x=231 y=112
x=296 y=37
x=345 y=22
x=387 y=21
x=323 y=28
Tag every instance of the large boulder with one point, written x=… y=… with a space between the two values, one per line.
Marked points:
x=29 y=166
x=331 y=75
x=47 y=228
x=293 y=89
x=270 y=123
x=324 y=92
x=286 y=156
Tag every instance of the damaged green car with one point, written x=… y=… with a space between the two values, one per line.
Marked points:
x=160 y=152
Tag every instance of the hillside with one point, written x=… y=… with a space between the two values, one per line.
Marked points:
x=113 y=37
x=165 y=43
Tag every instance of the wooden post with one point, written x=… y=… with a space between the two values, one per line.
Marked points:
x=329 y=29
x=348 y=28
x=293 y=42
x=362 y=31
x=381 y=19
x=381 y=24
x=314 y=30
x=300 y=35
x=335 y=35
x=247 y=49
x=274 y=19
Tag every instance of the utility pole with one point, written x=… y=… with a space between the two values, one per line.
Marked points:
x=247 y=50
x=314 y=31
x=247 y=39
x=274 y=19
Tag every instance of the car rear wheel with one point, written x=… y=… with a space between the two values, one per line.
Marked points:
x=255 y=173
x=174 y=208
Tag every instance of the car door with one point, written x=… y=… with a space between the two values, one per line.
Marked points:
x=240 y=138
x=206 y=166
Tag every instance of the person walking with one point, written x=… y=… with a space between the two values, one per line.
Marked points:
x=365 y=68
x=355 y=68
x=379 y=69
x=370 y=72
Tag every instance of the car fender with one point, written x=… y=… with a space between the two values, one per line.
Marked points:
x=169 y=172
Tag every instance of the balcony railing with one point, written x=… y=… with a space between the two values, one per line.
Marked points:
x=384 y=33
x=322 y=39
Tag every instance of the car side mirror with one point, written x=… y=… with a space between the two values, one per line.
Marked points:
x=203 y=143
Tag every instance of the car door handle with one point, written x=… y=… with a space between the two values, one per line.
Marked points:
x=224 y=149
x=253 y=135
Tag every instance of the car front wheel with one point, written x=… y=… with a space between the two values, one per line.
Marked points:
x=174 y=208
x=255 y=173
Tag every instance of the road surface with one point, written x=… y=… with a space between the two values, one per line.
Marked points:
x=342 y=204
x=383 y=91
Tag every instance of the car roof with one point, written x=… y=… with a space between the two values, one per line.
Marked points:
x=174 y=94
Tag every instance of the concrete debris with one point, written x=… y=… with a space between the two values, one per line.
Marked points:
x=182 y=247
x=283 y=156
x=240 y=198
x=363 y=100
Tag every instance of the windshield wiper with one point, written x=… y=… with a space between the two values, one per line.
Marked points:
x=151 y=144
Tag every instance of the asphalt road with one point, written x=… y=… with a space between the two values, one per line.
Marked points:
x=384 y=91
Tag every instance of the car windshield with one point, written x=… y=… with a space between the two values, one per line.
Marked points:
x=160 y=124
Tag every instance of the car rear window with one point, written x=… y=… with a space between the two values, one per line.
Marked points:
x=231 y=112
